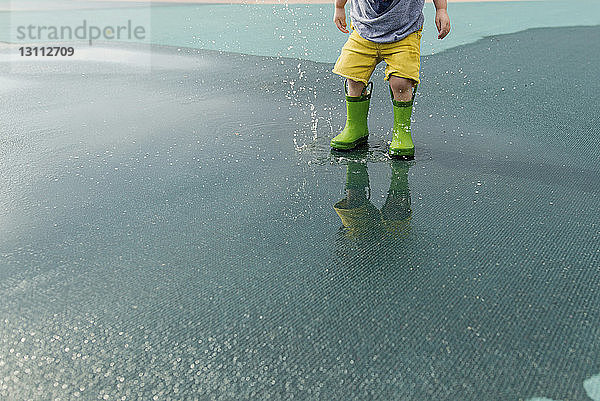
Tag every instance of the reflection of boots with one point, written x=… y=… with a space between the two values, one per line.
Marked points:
x=359 y=216
x=402 y=145
x=356 y=131
x=396 y=211
x=357 y=184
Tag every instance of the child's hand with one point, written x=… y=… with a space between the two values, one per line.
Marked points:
x=339 y=17
x=442 y=22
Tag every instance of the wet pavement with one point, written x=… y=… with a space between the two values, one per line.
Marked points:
x=184 y=232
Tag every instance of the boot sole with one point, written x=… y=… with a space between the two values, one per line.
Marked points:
x=402 y=154
x=348 y=146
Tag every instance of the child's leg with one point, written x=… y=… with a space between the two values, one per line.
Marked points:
x=356 y=63
x=403 y=64
x=355 y=88
x=356 y=131
x=402 y=88
x=402 y=145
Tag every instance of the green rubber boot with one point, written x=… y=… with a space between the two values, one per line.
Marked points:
x=402 y=145
x=356 y=131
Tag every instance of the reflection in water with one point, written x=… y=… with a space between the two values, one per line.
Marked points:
x=361 y=219
x=456 y=330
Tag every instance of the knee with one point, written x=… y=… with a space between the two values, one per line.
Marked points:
x=355 y=88
x=400 y=85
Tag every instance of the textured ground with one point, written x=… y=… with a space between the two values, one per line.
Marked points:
x=171 y=233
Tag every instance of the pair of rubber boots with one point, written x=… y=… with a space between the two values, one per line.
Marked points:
x=356 y=132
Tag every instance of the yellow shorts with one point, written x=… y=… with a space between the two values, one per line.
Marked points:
x=360 y=56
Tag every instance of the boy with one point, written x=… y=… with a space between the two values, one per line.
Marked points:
x=390 y=31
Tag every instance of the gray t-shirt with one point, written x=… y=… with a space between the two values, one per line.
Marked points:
x=385 y=21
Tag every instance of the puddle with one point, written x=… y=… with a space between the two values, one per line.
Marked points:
x=194 y=236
